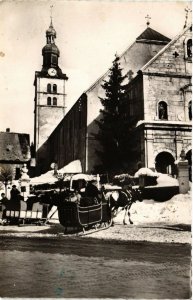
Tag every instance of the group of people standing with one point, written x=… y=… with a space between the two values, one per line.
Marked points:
x=14 y=195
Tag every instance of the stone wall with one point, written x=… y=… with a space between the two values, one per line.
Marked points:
x=169 y=89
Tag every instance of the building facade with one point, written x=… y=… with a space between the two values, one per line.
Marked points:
x=158 y=101
x=162 y=95
x=15 y=152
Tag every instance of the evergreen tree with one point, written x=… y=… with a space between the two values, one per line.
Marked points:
x=113 y=124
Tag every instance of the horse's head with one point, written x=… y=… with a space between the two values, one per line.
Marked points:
x=137 y=195
x=115 y=195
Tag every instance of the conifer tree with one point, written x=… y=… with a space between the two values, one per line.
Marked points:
x=112 y=133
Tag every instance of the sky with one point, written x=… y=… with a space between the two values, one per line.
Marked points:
x=89 y=33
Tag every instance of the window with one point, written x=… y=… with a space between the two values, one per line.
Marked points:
x=49 y=101
x=190 y=110
x=49 y=88
x=162 y=110
x=54 y=101
x=54 y=88
x=189 y=48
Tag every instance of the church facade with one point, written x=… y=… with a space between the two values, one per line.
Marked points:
x=158 y=99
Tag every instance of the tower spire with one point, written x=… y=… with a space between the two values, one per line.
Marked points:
x=148 y=20
x=51 y=7
x=51 y=32
x=187 y=10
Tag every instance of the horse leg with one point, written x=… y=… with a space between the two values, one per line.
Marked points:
x=129 y=215
x=125 y=216
x=113 y=215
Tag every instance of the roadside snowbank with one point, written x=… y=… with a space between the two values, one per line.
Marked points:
x=174 y=211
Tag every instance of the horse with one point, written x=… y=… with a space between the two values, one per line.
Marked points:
x=123 y=199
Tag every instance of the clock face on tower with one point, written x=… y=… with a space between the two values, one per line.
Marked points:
x=52 y=72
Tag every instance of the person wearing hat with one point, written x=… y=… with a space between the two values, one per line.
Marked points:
x=14 y=193
x=3 y=202
x=91 y=189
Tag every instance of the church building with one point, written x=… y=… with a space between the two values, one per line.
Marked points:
x=158 y=99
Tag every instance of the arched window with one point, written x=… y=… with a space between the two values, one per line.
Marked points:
x=54 y=88
x=162 y=110
x=189 y=48
x=190 y=110
x=49 y=88
x=54 y=101
x=49 y=101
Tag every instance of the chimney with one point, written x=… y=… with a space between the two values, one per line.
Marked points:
x=7 y=129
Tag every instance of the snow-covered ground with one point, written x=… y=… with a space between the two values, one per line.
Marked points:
x=166 y=222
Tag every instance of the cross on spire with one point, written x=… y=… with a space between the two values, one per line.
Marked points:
x=187 y=10
x=51 y=7
x=148 y=20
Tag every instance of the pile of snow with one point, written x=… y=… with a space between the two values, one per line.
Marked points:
x=166 y=180
x=48 y=177
x=145 y=171
x=177 y=210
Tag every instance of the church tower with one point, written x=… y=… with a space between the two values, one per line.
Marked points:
x=49 y=91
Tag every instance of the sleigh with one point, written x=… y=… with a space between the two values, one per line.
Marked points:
x=76 y=217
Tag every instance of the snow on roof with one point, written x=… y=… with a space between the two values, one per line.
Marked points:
x=83 y=176
x=145 y=171
x=72 y=168
x=163 y=122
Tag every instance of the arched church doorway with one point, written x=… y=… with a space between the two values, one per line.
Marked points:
x=164 y=163
x=189 y=158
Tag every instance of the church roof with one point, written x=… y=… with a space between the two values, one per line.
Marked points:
x=15 y=147
x=165 y=47
x=50 y=48
x=138 y=53
x=152 y=35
